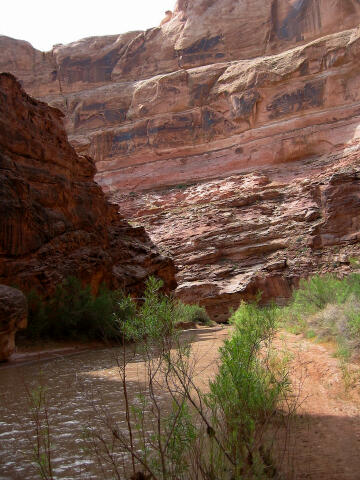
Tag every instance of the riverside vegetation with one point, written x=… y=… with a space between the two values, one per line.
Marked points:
x=327 y=308
x=171 y=428
x=72 y=312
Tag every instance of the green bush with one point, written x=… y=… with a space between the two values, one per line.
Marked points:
x=316 y=292
x=74 y=313
x=248 y=388
x=171 y=430
x=354 y=323
x=192 y=314
x=205 y=435
x=154 y=318
x=326 y=307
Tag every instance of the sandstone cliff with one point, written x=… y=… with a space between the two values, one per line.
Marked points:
x=54 y=219
x=231 y=132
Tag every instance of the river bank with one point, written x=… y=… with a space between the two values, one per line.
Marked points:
x=49 y=350
x=81 y=382
x=30 y=352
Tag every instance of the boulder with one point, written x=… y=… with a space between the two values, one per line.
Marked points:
x=13 y=317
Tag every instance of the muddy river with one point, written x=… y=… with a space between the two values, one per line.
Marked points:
x=77 y=388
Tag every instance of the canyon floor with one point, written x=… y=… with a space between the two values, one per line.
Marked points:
x=322 y=439
x=323 y=436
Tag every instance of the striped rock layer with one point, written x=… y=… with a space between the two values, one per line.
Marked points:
x=231 y=132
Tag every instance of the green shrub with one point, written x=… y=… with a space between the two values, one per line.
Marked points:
x=248 y=388
x=192 y=314
x=74 y=313
x=205 y=435
x=310 y=334
x=171 y=430
x=326 y=307
x=354 y=323
x=154 y=318
x=316 y=292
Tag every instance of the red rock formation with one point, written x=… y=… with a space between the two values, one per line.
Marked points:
x=54 y=219
x=223 y=96
x=260 y=231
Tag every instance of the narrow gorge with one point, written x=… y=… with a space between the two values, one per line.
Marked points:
x=180 y=246
x=234 y=143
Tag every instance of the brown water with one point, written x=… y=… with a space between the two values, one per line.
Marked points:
x=75 y=387
x=78 y=387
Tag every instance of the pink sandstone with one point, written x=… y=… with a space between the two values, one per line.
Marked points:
x=231 y=132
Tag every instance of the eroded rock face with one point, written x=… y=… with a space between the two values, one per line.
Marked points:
x=220 y=88
x=260 y=231
x=13 y=317
x=223 y=131
x=54 y=219
x=197 y=33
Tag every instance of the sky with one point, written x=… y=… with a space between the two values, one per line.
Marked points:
x=45 y=23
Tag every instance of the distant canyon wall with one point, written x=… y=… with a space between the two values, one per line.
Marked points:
x=160 y=107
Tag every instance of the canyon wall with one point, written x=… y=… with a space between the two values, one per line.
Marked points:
x=54 y=219
x=231 y=132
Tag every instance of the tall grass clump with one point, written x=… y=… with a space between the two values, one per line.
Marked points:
x=327 y=308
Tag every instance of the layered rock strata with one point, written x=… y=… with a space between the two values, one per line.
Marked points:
x=258 y=232
x=248 y=102
x=54 y=219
